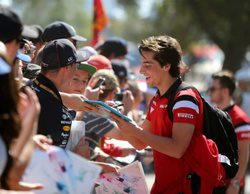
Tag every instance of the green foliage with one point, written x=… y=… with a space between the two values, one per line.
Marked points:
x=174 y=19
x=224 y=22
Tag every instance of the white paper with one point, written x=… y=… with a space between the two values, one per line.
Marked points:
x=130 y=181
x=76 y=133
x=61 y=172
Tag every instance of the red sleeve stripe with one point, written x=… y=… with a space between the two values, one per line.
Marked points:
x=186 y=104
x=242 y=128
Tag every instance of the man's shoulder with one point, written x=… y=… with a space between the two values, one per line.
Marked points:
x=188 y=98
x=238 y=115
x=192 y=92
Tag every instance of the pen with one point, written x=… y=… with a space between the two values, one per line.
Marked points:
x=118 y=105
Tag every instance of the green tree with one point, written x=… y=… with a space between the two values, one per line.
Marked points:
x=174 y=19
x=225 y=22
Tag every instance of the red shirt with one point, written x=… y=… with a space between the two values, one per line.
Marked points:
x=241 y=124
x=170 y=172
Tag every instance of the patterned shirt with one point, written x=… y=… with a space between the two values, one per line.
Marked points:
x=95 y=128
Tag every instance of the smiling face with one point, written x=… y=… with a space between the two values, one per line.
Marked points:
x=152 y=70
x=79 y=82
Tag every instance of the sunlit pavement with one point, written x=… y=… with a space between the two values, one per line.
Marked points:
x=150 y=180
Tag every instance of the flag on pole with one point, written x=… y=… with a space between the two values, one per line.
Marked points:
x=99 y=22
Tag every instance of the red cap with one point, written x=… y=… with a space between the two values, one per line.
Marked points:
x=100 y=62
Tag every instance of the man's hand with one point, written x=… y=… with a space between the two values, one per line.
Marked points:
x=128 y=101
x=127 y=127
x=93 y=94
x=76 y=102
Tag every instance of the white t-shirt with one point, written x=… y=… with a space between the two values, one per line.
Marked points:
x=76 y=133
x=3 y=156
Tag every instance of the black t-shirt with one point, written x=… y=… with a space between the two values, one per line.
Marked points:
x=55 y=119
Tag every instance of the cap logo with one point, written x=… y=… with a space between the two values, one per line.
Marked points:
x=70 y=59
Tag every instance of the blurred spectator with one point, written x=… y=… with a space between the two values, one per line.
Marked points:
x=37 y=41
x=243 y=78
x=89 y=50
x=221 y=91
x=28 y=50
x=121 y=72
x=18 y=113
x=113 y=48
x=111 y=84
x=18 y=123
x=100 y=62
x=10 y=33
x=136 y=114
x=58 y=30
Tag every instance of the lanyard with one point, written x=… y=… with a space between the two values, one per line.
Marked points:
x=46 y=89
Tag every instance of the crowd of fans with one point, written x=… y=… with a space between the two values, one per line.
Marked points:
x=46 y=78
